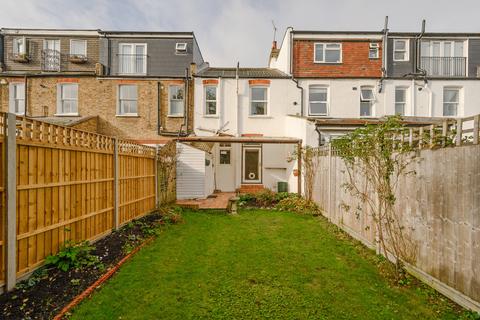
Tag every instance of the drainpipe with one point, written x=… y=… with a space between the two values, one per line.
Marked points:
x=418 y=51
x=237 y=100
x=384 y=55
x=25 y=98
x=219 y=104
x=317 y=129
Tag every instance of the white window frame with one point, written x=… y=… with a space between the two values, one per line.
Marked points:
x=15 y=43
x=459 y=102
x=327 y=101
x=406 y=50
x=324 y=44
x=181 y=48
x=170 y=114
x=405 y=103
x=119 y=101
x=13 y=99
x=61 y=99
x=374 y=46
x=206 y=101
x=85 y=47
x=372 y=100
x=133 y=54
x=267 y=107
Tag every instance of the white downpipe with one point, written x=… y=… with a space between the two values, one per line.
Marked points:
x=220 y=103
x=237 y=102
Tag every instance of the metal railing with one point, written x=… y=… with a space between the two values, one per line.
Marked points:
x=132 y=63
x=444 y=66
x=50 y=60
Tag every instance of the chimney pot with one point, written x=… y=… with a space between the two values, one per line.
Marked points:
x=274 y=44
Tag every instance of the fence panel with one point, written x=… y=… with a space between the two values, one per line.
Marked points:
x=2 y=200
x=136 y=180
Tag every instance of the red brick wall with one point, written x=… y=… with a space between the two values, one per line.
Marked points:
x=355 y=61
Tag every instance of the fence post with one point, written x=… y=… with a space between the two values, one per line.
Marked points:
x=458 y=137
x=476 y=124
x=329 y=181
x=157 y=204
x=10 y=166
x=116 y=187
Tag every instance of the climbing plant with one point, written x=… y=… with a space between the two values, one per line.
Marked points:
x=310 y=162
x=376 y=158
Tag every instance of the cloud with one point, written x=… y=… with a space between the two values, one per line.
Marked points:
x=232 y=30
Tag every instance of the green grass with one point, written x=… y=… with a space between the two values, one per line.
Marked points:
x=260 y=264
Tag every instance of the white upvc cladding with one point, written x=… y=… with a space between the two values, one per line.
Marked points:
x=194 y=178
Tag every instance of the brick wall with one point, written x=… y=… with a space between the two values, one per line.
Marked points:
x=98 y=97
x=35 y=47
x=355 y=61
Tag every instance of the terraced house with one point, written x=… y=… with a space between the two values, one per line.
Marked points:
x=133 y=85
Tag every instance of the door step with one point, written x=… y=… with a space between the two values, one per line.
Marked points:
x=250 y=188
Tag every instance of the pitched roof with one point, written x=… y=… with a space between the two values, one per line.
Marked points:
x=242 y=73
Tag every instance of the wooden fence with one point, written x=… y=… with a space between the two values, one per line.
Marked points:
x=440 y=207
x=61 y=184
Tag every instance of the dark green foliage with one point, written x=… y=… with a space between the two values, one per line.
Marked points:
x=74 y=255
x=264 y=199
x=298 y=205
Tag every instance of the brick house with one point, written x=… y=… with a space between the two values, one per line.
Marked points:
x=134 y=85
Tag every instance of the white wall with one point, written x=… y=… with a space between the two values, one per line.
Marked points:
x=190 y=172
x=282 y=62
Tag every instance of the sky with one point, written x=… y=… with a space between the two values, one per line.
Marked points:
x=233 y=30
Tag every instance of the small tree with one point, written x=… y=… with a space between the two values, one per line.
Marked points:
x=378 y=154
x=310 y=161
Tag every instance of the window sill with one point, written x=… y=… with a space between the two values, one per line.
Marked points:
x=319 y=115
x=211 y=116
x=175 y=116
x=127 y=116
x=67 y=115
x=260 y=117
x=327 y=63
x=132 y=74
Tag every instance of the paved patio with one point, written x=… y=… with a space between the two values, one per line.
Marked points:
x=215 y=201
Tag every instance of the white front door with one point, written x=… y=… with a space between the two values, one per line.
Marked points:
x=252 y=164
x=225 y=170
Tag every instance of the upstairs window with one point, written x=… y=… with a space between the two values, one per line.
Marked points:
x=328 y=53
x=259 y=101
x=17 y=98
x=400 y=50
x=68 y=99
x=132 y=58
x=176 y=104
x=318 y=100
x=400 y=100
x=181 y=47
x=451 y=101
x=367 y=99
x=78 y=48
x=19 y=46
x=210 y=100
x=373 y=50
x=127 y=100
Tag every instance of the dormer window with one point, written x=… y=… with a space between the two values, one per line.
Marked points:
x=181 y=47
x=19 y=50
x=373 y=50
x=401 y=50
x=328 y=53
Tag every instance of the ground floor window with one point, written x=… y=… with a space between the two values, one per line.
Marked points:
x=367 y=99
x=127 y=99
x=67 y=98
x=451 y=101
x=175 y=100
x=17 y=98
x=400 y=100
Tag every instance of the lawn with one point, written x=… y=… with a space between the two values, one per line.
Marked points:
x=259 y=264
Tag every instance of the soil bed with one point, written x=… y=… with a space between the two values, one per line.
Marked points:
x=55 y=289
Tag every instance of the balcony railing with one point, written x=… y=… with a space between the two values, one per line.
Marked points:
x=50 y=60
x=132 y=63
x=444 y=66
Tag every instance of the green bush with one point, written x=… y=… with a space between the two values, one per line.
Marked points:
x=265 y=198
x=172 y=215
x=299 y=205
x=74 y=255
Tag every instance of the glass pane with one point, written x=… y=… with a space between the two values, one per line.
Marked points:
x=259 y=108
x=259 y=94
x=19 y=91
x=450 y=95
x=373 y=53
x=366 y=94
x=365 y=109
x=399 y=56
x=176 y=107
x=332 y=56
x=211 y=107
x=20 y=106
x=447 y=49
x=211 y=93
x=69 y=91
x=140 y=50
x=436 y=49
x=333 y=46
x=400 y=45
x=319 y=52
x=69 y=106
x=128 y=92
x=252 y=158
x=400 y=95
x=458 y=48
x=176 y=92
x=450 y=109
x=318 y=108
x=425 y=49
x=318 y=94
x=77 y=47
x=400 y=108
x=224 y=156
